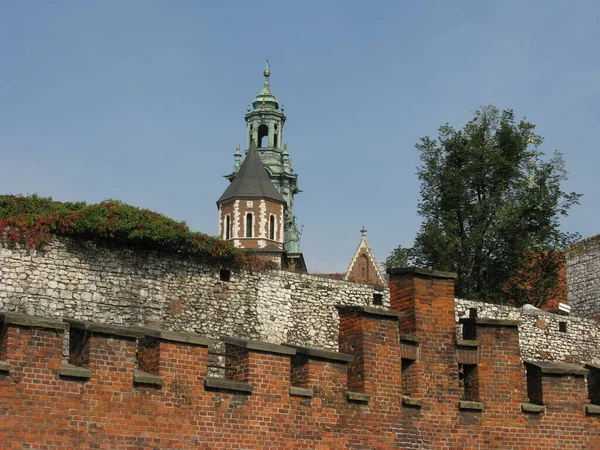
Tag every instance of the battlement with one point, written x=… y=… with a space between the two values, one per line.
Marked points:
x=74 y=278
x=399 y=381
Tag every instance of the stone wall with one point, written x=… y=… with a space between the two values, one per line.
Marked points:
x=541 y=335
x=583 y=277
x=420 y=389
x=77 y=279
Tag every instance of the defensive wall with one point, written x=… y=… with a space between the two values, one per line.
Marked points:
x=401 y=379
x=542 y=335
x=583 y=275
x=79 y=280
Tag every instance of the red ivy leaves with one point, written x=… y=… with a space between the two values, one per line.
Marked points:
x=31 y=221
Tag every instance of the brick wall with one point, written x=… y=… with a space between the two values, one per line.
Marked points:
x=77 y=279
x=542 y=335
x=143 y=388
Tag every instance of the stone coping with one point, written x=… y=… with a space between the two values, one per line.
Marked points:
x=141 y=377
x=533 y=408
x=296 y=391
x=410 y=338
x=555 y=368
x=490 y=322
x=421 y=271
x=24 y=320
x=176 y=336
x=473 y=343
x=69 y=370
x=369 y=310
x=473 y=406
x=357 y=397
x=591 y=366
x=229 y=385
x=103 y=328
x=591 y=409
x=321 y=354
x=412 y=401
x=259 y=346
x=4 y=366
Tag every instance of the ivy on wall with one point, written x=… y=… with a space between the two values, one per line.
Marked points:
x=31 y=221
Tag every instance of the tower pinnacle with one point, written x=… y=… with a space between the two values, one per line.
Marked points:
x=267 y=72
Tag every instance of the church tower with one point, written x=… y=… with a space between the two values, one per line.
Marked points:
x=264 y=128
x=251 y=210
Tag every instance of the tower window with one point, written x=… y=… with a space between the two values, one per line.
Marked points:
x=275 y=140
x=227 y=227
x=272 y=227
x=263 y=132
x=249 y=225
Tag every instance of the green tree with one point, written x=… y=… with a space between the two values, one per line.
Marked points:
x=489 y=200
x=397 y=258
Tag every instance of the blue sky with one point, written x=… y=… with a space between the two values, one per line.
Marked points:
x=144 y=101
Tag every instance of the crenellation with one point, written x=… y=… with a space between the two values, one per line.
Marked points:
x=138 y=335
x=540 y=335
x=290 y=392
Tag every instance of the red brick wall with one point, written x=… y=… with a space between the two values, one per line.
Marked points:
x=271 y=208
x=355 y=404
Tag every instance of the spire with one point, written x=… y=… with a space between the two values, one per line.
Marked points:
x=267 y=72
x=252 y=180
x=265 y=98
x=238 y=157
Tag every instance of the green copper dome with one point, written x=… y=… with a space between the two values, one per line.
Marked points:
x=265 y=98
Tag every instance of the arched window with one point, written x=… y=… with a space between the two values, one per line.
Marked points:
x=249 y=225
x=363 y=264
x=227 y=227
x=263 y=132
x=272 y=227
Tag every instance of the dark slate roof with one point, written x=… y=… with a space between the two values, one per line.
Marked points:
x=252 y=180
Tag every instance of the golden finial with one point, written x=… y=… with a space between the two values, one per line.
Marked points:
x=237 y=146
x=267 y=72
x=285 y=145
x=531 y=140
x=248 y=108
x=282 y=108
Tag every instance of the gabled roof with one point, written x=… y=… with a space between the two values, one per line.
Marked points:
x=252 y=180
x=373 y=274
